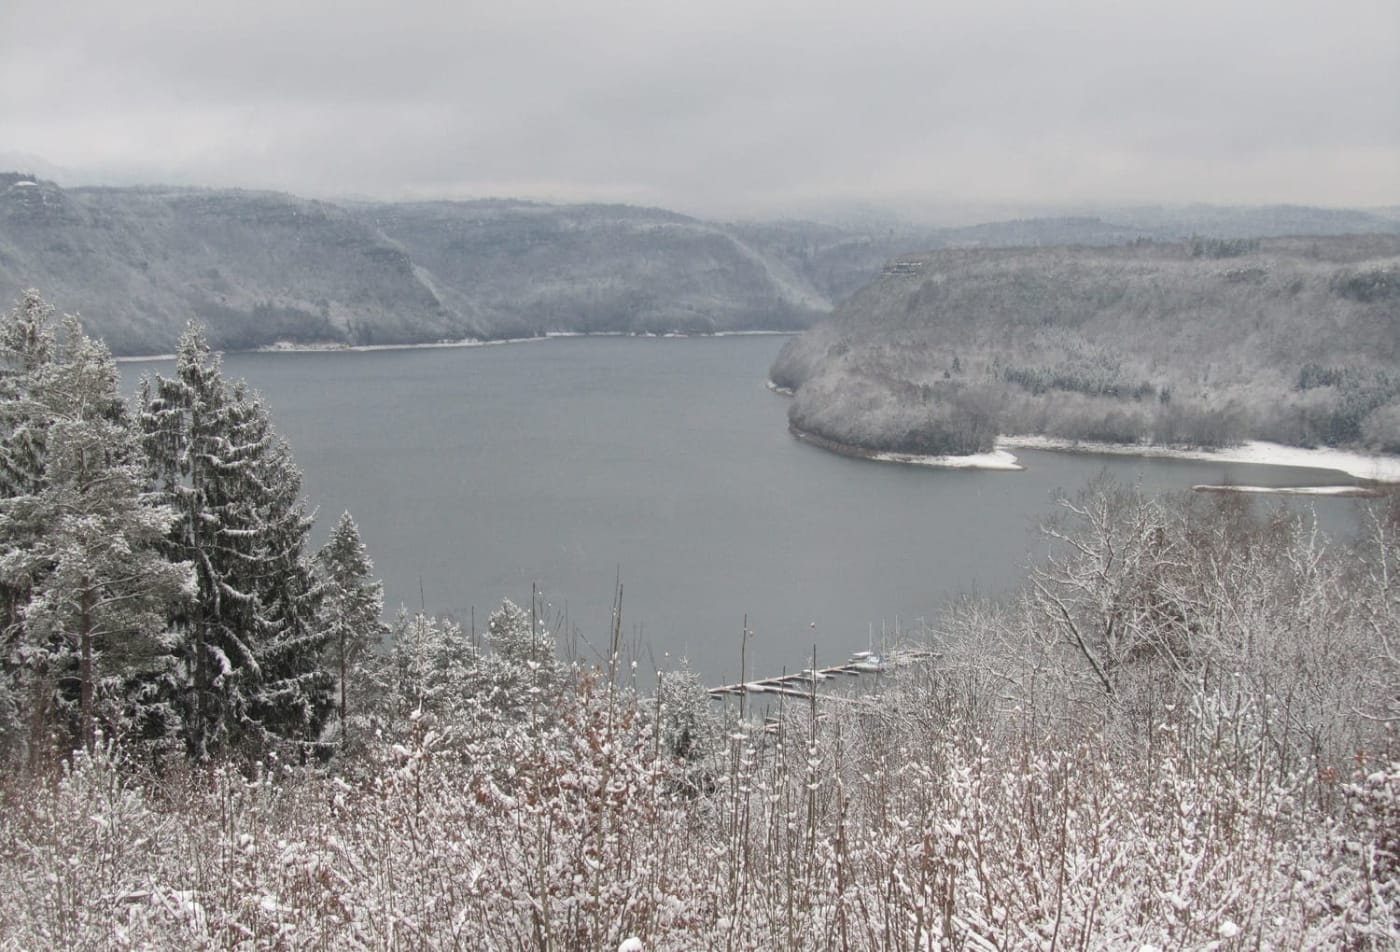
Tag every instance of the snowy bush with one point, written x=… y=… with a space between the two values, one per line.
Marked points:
x=1236 y=788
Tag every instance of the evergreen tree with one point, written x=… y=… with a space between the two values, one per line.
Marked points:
x=85 y=540
x=26 y=350
x=27 y=346
x=432 y=668
x=524 y=666
x=516 y=640
x=691 y=732
x=252 y=653
x=351 y=605
x=295 y=694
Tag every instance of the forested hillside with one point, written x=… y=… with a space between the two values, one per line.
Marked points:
x=1201 y=342
x=256 y=268
x=523 y=269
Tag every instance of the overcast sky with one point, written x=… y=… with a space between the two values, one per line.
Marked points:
x=720 y=107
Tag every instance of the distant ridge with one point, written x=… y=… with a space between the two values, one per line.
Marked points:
x=264 y=267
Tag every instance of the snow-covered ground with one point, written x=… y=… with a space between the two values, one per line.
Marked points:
x=998 y=459
x=1362 y=491
x=287 y=347
x=281 y=347
x=1379 y=468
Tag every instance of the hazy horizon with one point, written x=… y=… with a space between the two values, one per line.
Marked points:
x=729 y=109
x=914 y=214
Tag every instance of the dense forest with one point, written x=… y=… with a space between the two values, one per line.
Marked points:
x=1204 y=343
x=1180 y=733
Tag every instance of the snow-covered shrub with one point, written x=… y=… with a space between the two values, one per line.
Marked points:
x=691 y=731
x=1368 y=847
x=1002 y=797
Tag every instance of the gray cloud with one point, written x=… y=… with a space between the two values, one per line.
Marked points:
x=726 y=107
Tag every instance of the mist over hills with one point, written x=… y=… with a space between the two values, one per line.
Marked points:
x=1203 y=342
x=260 y=267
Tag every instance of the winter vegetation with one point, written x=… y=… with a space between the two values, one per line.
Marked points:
x=152 y=564
x=1180 y=734
x=1202 y=343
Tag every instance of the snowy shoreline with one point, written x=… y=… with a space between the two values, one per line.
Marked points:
x=1360 y=466
x=335 y=347
x=1355 y=492
x=1376 y=474
x=997 y=460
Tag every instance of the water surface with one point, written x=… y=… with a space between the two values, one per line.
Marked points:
x=567 y=464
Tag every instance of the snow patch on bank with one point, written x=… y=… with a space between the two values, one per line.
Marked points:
x=287 y=347
x=335 y=347
x=1374 y=472
x=1361 y=492
x=332 y=347
x=1381 y=469
x=995 y=460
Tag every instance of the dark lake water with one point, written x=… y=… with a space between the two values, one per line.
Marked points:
x=475 y=473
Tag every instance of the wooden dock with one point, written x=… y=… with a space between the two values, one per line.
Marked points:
x=803 y=684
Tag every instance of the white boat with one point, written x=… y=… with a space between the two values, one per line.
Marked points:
x=867 y=662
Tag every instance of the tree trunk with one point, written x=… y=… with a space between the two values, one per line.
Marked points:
x=344 y=727
x=85 y=665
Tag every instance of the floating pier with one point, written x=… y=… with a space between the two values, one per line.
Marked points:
x=803 y=684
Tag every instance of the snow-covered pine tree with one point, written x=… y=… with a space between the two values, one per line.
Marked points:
x=525 y=670
x=516 y=639
x=87 y=539
x=429 y=675
x=252 y=654
x=352 y=602
x=26 y=348
x=691 y=731
x=296 y=693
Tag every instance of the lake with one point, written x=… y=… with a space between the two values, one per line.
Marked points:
x=475 y=473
